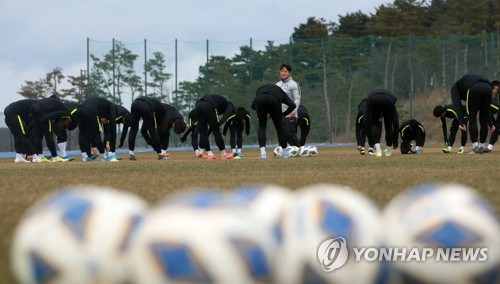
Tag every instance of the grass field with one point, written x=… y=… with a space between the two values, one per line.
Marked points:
x=379 y=178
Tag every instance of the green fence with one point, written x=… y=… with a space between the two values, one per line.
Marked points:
x=334 y=73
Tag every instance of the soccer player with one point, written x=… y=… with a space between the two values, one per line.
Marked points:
x=207 y=111
x=412 y=130
x=292 y=89
x=494 y=106
x=304 y=123
x=236 y=124
x=448 y=111
x=92 y=114
x=475 y=90
x=171 y=120
x=382 y=104
x=268 y=101
x=61 y=132
x=17 y=119
x=45 y=113
x=193 y=129
x=124 y=117
x=150 y=110
x=361 y=133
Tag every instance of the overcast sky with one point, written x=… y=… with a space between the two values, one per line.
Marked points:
x=37 y=36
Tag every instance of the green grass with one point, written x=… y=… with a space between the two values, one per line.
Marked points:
x=378 y=178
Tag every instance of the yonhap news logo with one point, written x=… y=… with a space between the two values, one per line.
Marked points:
x=334 y=253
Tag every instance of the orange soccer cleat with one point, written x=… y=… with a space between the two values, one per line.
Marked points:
x=227 y=156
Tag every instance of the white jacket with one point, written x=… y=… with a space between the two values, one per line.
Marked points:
x=292 y=89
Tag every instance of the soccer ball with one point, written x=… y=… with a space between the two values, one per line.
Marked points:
x=267 y=203
x=313 y=151
x=278 y=151
x=293 y=150
x=304 y=151
x=77 y=235
x=321 y=215
x=442 y=218
x=201 y=239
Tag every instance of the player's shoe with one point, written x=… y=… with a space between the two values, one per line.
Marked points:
x=446 y=150
x=371 y=152
x=165 y=154
x=227 y=157
x=44 y=160
x=59 y=159
x=387 y=153
x=461 y=151
x=199 y=155
x=21 y=160
x=378 y=154
x=69 y=158
x=111 y=158
x=237 y=158
x=263 y=156
x=212 y=157
x=362 y=151
x=476 y=150
x=161 y=157
x=88 y=159
x=486 y=150
x=132 y=158
x=287 y=155
x=418 y=151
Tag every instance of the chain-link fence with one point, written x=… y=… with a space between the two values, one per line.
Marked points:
x=334 y=73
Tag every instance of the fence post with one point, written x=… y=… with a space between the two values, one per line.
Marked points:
x=145 y=71
x=88 y=65
x=175 y=68
x=250 y=69
x=410 y=74
x=114 y=75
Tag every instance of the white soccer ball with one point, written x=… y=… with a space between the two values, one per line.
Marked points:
x=267 y=203
x=77 y=235
x=303 y=151
x=321 y=216
x=201 y=239
x=441 y=218
x=278 y=151
x=313 y=151
x=293 y=150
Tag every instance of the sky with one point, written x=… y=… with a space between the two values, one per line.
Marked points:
x=38 y=36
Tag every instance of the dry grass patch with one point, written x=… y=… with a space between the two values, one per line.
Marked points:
x=379 y=178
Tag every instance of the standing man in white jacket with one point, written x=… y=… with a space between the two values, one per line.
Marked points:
x=292 y=89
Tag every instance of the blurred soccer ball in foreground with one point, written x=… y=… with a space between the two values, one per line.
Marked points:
x=77 y=235
x=319 y=213
x=443 y=218
x=267 y=203
x=201 y=239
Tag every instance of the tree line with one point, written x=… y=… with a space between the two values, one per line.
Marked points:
x=410 y=47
